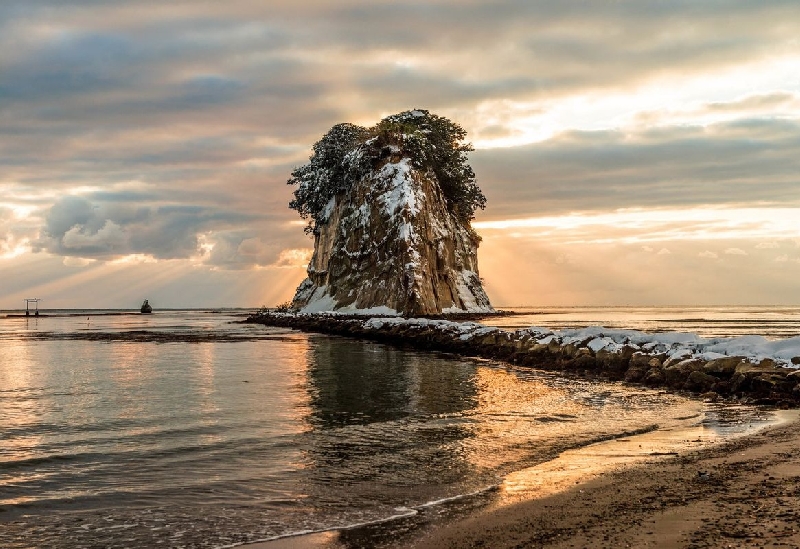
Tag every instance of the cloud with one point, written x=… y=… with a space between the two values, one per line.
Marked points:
x=78 y=261
x=166 y=131
x=17 y=230
x=76 y=226
x=774 y=105
x=735 y=251
x=666 y=167
x=641 y=225
x=708 y=254
x=631 y=278
x=767 y=245
x=294 y=258
x=566 y=259
x=240 y=249
x=757 y=102
x=110 y=237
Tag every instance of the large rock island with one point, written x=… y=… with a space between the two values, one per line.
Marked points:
x=390 y=210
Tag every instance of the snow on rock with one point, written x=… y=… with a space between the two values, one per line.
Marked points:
x=747 y=369
x=601 y=343
x=676 y=346
x=391 y=245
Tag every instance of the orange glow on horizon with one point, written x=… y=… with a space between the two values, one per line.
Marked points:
x=631 y=226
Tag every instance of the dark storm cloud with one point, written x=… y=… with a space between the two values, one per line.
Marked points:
x=756 y=161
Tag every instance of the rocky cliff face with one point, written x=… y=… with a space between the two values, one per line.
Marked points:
x=390 y=244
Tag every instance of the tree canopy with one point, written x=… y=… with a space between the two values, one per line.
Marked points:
x=348 y=152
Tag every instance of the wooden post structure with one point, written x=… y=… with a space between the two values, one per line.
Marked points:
x=28 y=301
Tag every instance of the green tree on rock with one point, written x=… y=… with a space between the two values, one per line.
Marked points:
x=348 y=152
x=327 y=173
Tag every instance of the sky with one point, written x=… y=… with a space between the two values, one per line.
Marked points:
x=632 y=152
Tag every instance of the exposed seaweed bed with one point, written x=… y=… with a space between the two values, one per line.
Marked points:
x=614 y=355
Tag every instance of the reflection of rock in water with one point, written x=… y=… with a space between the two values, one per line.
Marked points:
x=385 y=420
x=361 y=383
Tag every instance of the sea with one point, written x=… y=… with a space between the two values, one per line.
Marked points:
x=190 y=428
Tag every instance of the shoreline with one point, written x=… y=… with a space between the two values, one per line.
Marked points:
x=697 y=498
x=735 y=494
x=648 y=498
x=597 y=354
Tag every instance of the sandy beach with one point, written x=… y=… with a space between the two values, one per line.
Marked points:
x=745 y=493
x=742 y=493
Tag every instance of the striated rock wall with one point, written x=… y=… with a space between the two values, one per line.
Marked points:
x=390 y=244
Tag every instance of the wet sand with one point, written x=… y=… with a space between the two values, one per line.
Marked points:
x=744 y=493
x=741 y=493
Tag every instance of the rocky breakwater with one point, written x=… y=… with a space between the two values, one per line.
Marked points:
x=750 y=369
x=390 y=210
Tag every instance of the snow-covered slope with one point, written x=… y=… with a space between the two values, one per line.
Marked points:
x=390 y=244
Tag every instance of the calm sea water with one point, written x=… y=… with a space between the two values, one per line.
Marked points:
x=188 y=429
x=771 y=322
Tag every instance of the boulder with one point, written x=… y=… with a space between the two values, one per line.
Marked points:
x=723 y=366
x=654 y=377
x=700 y=382
x=676 y=375
x=640 y=360
x=636 y=373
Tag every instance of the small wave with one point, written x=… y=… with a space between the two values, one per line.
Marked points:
x=459 y=497
x=406 y=512
x=8 y=464
x=411 y=512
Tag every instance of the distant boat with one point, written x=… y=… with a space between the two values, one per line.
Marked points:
x=146 y=308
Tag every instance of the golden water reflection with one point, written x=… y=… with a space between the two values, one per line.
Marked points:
x=583 y=464
x=520 y=414
x=17 y=373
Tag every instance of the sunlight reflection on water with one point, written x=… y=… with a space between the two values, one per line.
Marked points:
x=220 y=442
x=771 y=322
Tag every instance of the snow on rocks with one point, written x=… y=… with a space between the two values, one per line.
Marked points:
x=676 y=345
x=750 y=368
